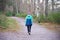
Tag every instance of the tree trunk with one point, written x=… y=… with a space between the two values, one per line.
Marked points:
x=46 y=8
x=16 y=6
x=52 y=5
x=2 y=5
x=34 y=6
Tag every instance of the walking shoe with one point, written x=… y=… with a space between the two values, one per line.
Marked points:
x=29 y=33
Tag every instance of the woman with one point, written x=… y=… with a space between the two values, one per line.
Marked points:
x=28 y=23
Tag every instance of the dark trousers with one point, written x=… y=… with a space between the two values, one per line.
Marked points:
x=29 y=28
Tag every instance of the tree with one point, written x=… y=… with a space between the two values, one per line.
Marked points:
x=2 y=5
x=52 y=5
x=34 y=5
x=16 y=6
x=46 y=8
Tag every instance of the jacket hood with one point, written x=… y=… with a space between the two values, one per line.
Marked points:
x=29 y=16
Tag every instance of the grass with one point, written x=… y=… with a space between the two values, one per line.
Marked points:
x=12 y=25
x=51 y=26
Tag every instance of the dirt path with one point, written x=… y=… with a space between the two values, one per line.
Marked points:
x=38 y=33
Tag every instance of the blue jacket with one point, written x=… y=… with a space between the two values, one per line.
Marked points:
x=28 y=20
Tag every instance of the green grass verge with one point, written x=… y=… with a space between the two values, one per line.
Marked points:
x=12 y=25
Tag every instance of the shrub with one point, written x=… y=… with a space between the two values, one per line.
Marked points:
x=8 y=13
x=0 y=12
x=21 y=15
x=41 y=18
x=54 y=17
x=34 y=16
x=3 y=21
